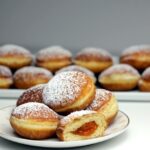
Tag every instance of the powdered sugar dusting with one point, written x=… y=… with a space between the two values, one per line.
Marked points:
x=5 y=71
x=136 y=49
x=32 y=71
x=101 y=97
x=53 y=52
x=94 y=52
x=14 y=49
x=64 y=88
x=34 y=111
x=77 y=68
x=74 y=115
x=33 y=94
x=119 y=69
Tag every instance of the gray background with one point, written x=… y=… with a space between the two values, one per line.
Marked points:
x=75 y=24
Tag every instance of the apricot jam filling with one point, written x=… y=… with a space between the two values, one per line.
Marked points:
x=86 y=129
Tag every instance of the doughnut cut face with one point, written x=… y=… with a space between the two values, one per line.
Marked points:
x=81 y=125
x=69 y=91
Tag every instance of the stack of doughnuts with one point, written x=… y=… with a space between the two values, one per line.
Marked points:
x=95 y=62
x=65 y=106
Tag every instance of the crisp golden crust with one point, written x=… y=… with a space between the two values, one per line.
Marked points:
x=119 y=77
x=15 y=56
x=94 y=59
x=27 y=77
x=81 y=125
x=96 y=67
x=34 y=121
x=53 y=58
x=105 y=103
x=33 y=94
x=69 y=91
x=54 y=65
x=137 y=56
x=6 y=79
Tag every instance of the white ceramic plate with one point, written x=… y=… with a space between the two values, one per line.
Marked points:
x=119 y=125
x=121 y=96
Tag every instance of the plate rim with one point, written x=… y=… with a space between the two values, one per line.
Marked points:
x=64 y=144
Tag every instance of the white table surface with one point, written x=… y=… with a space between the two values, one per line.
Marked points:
x=137 y=135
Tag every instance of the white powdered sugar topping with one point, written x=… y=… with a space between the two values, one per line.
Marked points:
x=53 y=52
x=14 y=49
x=101 y=96
x=75 y=115
x=119 y=69
x=94 y=51
x=136 y=49
x=5 y=71
x=33 y=110
x=33 y=71
x=77 y=68
x=64 y=88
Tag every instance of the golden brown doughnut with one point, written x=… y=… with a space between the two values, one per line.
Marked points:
x=6 y=79
x=144 y=82
x=33 y=94
x=15 y=56
x=137 y=56
x=81 y=125
x=120 y=77
x=53 y=58
x=69 y=91
x=27 y=77
x=34 y=121
x=94 y=59
x=78 y=68
x=105 y=102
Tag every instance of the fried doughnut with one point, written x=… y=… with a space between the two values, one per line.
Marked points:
x=94 y=59
x=6 y=79
x=78 y=68
x=53 y=58
x=33 y=94
x=15 y=56
x=27 y=77
x=81 y=125
x=120 y=77
x=144 y=82
x=137 y=56
x=105 y=102
x=69 y=91
x=34 y=121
